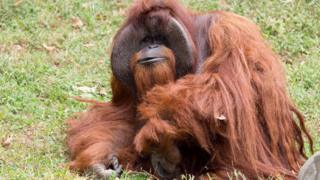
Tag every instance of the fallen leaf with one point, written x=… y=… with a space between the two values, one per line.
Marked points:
x=49 y=48
x=88 y=45
x=2 y=48
x=17 y=48
x=62 y=165
x=86 y=89
x=101 y=61
x=56 y=63
x=103 y=91
x=101 y=17
x=17 y=2
x=76 y=22
x=224 y=4
x=122 y=12
x=86 y=5
x=7 y=142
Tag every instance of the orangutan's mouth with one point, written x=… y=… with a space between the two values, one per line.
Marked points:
x=151 y=60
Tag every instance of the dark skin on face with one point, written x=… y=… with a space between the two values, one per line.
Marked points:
x=152 y=54
x=169 y=162
x=165 y=156
x=165 y=164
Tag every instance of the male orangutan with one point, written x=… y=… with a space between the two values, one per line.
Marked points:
x=192 y=94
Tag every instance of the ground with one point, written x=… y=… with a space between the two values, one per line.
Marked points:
x=51 y=51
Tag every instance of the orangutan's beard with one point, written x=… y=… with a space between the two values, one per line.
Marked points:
x=147 y=76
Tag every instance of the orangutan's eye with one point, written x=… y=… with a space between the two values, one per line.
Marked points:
x=146 y=39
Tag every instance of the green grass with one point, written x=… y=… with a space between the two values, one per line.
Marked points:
x=48 y=56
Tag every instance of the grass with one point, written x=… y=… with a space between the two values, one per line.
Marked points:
x=52 y=50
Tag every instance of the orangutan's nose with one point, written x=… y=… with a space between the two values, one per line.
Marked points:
x=152 y=46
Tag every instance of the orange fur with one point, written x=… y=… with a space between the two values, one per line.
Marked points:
x=109 y=128
x=242 y=80
x=232 y=113
x=146 y=77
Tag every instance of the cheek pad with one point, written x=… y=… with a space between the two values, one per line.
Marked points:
x=127 y=42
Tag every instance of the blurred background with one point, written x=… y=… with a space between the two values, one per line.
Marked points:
x=51 y=50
